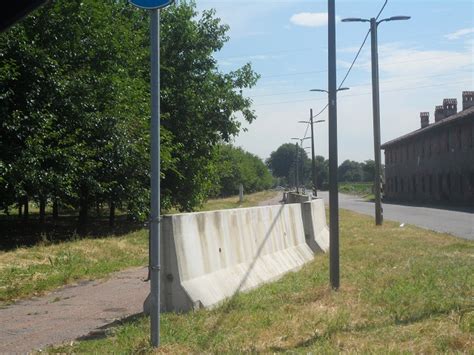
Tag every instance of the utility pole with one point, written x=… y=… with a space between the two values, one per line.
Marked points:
x=333 y=184
x=313 y=157
x=376 y=107
x=376 y=118
x=296 y=171
x=313 y=163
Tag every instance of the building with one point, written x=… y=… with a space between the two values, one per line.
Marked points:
x=434 y=164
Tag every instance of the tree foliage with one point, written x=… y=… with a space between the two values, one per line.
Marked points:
x=74 y=91
x=236 y=167
x=282 y=164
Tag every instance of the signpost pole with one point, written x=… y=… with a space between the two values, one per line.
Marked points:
x=155 y=179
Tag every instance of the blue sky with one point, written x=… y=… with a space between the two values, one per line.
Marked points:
x=422 y=61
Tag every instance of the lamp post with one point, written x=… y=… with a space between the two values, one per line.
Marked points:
x=333 y=184
x=297 y=154
x=376 y=107
x=327 y=92
x=313 y=163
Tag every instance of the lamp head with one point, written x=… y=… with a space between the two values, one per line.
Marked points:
x=398 y=18
x=354 y=19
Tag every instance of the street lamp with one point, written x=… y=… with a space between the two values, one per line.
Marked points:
x=296 y=167
x=327 y=92
x=333 y=185
x=376 y=107
x=313 y=162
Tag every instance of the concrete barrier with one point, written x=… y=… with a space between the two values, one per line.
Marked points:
x=315 y=227
x=207 y=257
x=293 y=197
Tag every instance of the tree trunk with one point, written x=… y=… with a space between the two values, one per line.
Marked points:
x=112 y=214
x=97 y=209
x=26 y=209
x=83 y=210
x=20 y=209
x=42 y=209
x=55 y=208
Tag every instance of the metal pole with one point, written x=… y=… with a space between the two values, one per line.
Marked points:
x=155 y=179
x=296 y=177
x=376 y=114
x=313 y=162
x=333 y=184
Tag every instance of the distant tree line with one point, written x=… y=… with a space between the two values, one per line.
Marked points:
x=74 y=108
x=282 y=164
x=235 y=167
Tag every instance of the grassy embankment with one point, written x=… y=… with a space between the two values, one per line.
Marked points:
x=362 y=189
x=28 y=271
x=402 y=290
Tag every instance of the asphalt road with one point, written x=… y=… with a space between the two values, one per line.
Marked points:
x=84 y=310
x=457 y=223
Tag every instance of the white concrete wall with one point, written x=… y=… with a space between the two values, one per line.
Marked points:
x=207 y=257
x=314 y=221
x=293 y=197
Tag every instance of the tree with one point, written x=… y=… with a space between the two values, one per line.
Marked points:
x=198 y=101
x=74 y=85
x=236 y=167
x=368 y=168
x=350 y=171
x=282 y=163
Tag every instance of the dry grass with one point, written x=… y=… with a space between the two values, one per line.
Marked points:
x=32 y=271
x=403 y=290
x=233 y=202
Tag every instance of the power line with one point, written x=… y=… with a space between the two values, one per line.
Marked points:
x=386 y=65
x=381 y=10
x=407 y=78
x=351 y=66
x=361 y=46
x=369 y=93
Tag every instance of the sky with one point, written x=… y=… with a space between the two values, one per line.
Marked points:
x=421 y=61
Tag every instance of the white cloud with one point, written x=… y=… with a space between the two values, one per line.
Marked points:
x=460 y=33
x=310 y=19
x=400 y=60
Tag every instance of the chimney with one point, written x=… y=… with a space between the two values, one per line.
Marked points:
x=439 y=113
x=450 y=107
x=467 y=99
x=425 y=119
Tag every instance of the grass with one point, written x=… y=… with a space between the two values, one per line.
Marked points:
x=233 y=202
x=402 y=290
x=356 y=188
x=33 y=270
